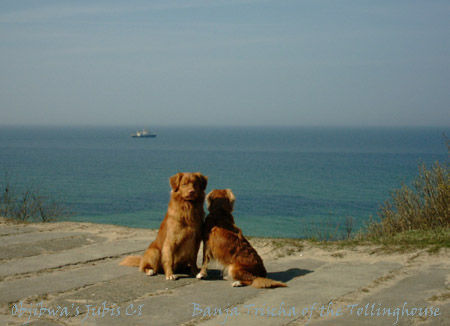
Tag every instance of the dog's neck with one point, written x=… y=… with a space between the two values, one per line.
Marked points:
x=187 y=211
x=222 y=216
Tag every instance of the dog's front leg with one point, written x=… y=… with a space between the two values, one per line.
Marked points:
x=206 y=258
x=193 y=266
x=167 y=260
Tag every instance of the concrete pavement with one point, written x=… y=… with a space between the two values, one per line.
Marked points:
x=68 y=274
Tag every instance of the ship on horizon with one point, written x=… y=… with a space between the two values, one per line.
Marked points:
x=143 y=134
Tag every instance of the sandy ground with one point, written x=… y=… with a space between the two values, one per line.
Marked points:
x=68 y=274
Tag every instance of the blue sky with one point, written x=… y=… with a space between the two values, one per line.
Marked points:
x=241 y=62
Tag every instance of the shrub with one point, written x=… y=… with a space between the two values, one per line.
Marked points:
x=424 y=206
x=29 y=205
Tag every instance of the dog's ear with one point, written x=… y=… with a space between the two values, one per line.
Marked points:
x=175 y=181
x=231 y=197
x=209 y=199
x=202 y=179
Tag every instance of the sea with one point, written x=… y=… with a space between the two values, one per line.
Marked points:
x=291 y=182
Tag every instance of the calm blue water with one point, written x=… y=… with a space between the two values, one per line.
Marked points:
x=289 y=182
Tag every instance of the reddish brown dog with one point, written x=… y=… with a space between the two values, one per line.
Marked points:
x=179 y=236
x=223 y=241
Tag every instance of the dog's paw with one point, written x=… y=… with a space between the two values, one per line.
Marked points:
x=236 y=284
x=201 y=276
x=171 y=277
x=150 y=272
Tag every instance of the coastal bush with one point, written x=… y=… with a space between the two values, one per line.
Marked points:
x=423 y=206
x=29 y=205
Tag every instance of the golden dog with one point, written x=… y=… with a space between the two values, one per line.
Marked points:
x=179 y=236
x=223 y=241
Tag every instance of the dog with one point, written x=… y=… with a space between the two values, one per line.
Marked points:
x=178 y=240
x=224 y=241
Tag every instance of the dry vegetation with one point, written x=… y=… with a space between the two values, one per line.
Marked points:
x=29 y=205
x=416 y=216
x=423 y=207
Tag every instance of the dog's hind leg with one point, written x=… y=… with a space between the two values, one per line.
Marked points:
x=243 y=277
x=151 y=261
x=240 y=275
x=225 y=273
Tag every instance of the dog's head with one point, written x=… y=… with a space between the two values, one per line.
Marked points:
x=220 y=200
x=189 y=186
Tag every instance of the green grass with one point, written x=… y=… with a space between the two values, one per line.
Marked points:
x=432 y=240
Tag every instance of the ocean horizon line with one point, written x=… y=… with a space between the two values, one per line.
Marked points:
x=218 y=126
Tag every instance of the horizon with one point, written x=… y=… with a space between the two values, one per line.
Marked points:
x=189 y=126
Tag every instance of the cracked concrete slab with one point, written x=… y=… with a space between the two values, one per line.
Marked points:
x=6 y=230
x=61 y=281
x=407 y=301
x=81 y=275
x=45 y=246
x=71 y=256
x=319 y=286
x=39 y=236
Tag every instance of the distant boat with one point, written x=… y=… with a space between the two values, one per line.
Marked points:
x=143 y=134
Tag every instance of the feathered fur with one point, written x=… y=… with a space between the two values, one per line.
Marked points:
x=224 y=241
x=179 y=236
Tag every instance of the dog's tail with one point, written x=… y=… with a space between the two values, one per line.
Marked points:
x=131 y=261
x=262 y=282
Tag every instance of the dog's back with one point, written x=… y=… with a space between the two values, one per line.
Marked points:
x=229 y=246
x=224 y=241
